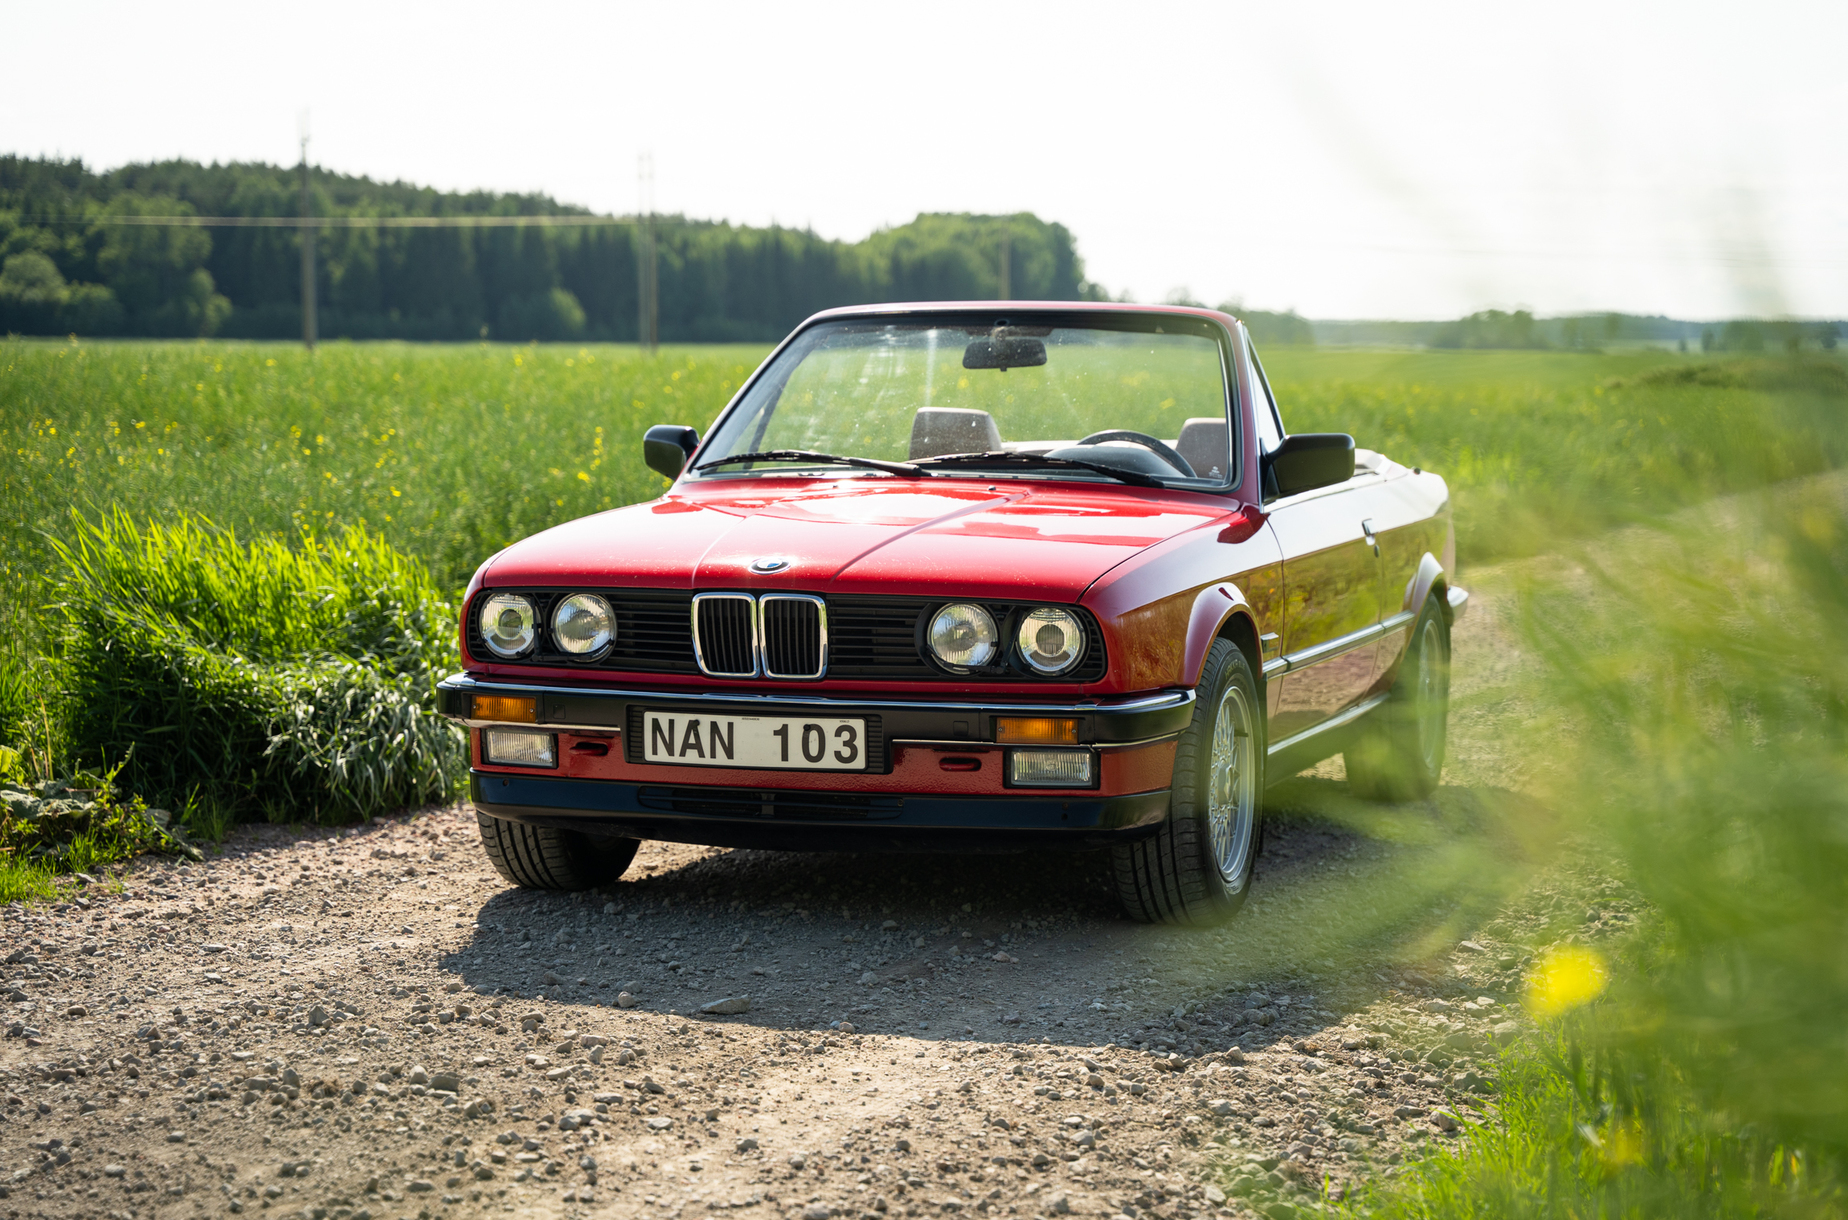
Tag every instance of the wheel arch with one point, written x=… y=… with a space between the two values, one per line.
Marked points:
x=1430 y=577
x=1220 y=612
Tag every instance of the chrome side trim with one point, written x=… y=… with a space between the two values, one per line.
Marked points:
x=1273 y=668
x=1393 y=622
x=763 y=652
x=1333 y=722
x=1329 y=649
x=756 y=644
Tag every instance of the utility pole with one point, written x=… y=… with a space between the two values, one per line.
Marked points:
x=1007 y=264
x=307 y=232
x=647 y=277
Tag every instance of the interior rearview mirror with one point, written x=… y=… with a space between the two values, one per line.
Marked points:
x=1308 y=460
x=667 y=447
x=1005 y=352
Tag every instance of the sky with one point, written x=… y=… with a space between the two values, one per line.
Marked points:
x=1346 y=160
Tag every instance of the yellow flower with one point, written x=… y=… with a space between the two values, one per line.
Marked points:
x=1564 y=978
x=1623 y=1145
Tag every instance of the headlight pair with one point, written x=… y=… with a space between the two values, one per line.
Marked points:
x=1049 y=641
x=582 y=624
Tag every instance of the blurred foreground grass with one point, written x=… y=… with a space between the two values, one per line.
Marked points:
x=1692 y=689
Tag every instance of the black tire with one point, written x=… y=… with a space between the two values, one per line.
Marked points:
x=1176 y=874
x=548 y=858
x=1399 y=753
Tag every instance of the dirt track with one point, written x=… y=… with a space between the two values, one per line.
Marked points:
x=369 y=1023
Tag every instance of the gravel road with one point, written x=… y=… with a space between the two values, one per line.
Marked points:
x=368 y=1023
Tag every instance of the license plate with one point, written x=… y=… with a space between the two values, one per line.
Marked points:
x=763 y=743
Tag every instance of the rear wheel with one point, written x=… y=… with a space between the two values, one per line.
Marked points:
x=1197 y=868
x=1399 y=755
x=550 y=858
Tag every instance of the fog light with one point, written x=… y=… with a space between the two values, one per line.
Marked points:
x=1050 y=769
x=510 y=708
x=518 y=748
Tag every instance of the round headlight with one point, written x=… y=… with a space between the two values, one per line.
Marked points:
x=963 y=636
x=1051 y=641
x=507 y=624
x=583 y=624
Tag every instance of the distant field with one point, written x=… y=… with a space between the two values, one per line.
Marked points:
x=450 y=451
x=454 y=451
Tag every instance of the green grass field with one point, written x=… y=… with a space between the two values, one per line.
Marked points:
x=451 y=452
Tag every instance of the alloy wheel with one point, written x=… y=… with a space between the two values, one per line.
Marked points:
x=1232 y=787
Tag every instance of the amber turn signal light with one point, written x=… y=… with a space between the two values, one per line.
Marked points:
x=1036 y=731
x=507 y=708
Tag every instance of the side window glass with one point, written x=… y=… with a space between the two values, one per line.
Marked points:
x=1270 y=428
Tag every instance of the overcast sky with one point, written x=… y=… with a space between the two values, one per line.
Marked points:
x=1344 y=159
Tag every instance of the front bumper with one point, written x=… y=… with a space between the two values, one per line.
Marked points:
x=796 y=820
x=922 y=793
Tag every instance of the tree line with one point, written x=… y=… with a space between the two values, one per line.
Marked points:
x=64 y=268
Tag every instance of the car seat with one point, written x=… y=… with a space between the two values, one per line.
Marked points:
x=936 y=431
x=1206 y=443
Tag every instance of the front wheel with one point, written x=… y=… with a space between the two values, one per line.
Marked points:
x=551 y=858
x=1399 y=755
x=1197 y=868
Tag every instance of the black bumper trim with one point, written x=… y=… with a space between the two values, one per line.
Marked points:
x=605 y=709
x=786 y=820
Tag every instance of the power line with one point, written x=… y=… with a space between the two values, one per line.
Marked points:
x=336 y=222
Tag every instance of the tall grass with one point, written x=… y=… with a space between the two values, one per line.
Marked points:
x=447 y=452
x=1699 y=684
x=286 y=679
x=1540 y=448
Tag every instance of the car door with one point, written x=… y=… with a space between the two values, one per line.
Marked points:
x=1331 y=591
x=1406 y=531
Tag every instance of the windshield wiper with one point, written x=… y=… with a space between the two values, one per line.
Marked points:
x=1003 y=457
x=905 y=469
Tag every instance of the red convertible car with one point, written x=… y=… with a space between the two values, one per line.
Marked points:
x=968 y=577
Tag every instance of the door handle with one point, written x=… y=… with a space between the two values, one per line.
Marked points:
x=1366 y=528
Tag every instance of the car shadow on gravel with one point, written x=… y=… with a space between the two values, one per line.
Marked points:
x=1353 y=900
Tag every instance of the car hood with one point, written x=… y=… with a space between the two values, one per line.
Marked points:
x=962 y=537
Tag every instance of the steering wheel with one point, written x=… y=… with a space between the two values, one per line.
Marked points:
x=1158 y=448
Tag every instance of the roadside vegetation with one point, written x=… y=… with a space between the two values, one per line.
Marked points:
x=1694 y=700
x=230 y=573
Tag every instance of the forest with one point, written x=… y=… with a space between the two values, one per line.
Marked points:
x=66 y=268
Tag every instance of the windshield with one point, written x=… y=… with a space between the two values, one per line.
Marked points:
x=1038 y=401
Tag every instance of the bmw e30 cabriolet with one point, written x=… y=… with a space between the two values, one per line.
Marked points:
x=968 y=577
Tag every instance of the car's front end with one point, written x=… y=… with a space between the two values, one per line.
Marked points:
x=803 y=649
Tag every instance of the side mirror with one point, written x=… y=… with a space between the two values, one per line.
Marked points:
x=1309 y=460
x=667 y=448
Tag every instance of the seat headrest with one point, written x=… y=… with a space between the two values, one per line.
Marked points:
x=1206 y=443
x=936 y=431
